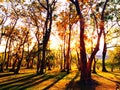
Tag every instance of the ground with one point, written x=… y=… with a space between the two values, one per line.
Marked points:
x=56 y=80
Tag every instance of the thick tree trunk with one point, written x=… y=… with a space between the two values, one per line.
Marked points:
x=83 y=58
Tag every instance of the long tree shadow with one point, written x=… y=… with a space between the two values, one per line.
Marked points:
x=77 y=85
x=17 y=79
x=117 y=82
x=69 y=86
x=6 y=74
x=117 y=76
x=114 y=73
x=26 y=82
x=58 y=78
x=13 y=78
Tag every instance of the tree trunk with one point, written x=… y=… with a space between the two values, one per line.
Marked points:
x=19 y=62
x=18 y=67
x=64 y=52
x=46 y=31
x=43 y=62
x=28 y=58
x=49 y=64
x=28 y=64
x=38 y=59
x=5 y=53
x=31 y=63
x=14 y=64
x=1 y=67
x=69 y=39
x=8 y=59
x=83 y=77
x=112 y=67
x=104 y=53
x=94 y=66
x=86 y=66
x=68 y=55
x=61 y=58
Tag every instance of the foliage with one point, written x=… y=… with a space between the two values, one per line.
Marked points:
x=114 y=57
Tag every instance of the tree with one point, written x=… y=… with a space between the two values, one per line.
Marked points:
x=114 y=58
x=49 y=8
x=86 y=65
x=112 y=10
x=20 y=52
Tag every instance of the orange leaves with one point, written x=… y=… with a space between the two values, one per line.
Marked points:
x=98 y=15
x=85 y=1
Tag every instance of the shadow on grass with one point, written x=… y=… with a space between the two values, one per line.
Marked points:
x=117 y=82
x=28 y=81
x=6 y=74
x=17 y=79
x=77 y=85
x=72 y=81
x=58 y=78
x=114 y=73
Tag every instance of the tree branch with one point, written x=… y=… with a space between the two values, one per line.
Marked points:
x=102 y=16
x=73 y=1
x=42 y=5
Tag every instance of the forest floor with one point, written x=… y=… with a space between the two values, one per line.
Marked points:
x=56 y=80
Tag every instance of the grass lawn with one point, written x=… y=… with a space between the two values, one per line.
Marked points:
x=55 y=80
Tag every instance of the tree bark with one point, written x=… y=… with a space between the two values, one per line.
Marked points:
x=104 y=53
